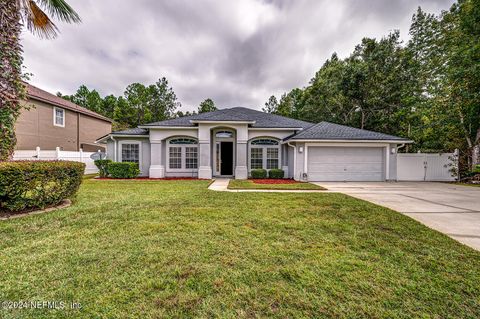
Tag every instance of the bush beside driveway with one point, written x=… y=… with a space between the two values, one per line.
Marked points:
x=176 y=249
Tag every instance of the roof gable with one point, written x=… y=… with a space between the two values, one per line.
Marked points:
x=38 y=94
x=332 y=131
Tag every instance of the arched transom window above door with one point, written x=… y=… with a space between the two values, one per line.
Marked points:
x=224 y=134
x=182 y=154
x=264 y=153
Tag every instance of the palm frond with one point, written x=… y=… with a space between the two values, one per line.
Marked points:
x=60 y=10
x=37 y=21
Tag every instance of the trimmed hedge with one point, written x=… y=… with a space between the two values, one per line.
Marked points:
x=26 y=185
x=102 y=166
x=123 y=169
x=276 y=173
x=259 y=173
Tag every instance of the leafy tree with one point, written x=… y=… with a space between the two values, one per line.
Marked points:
x=207 y=106
x=271 y=106
x=13 y=14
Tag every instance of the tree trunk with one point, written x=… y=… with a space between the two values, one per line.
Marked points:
x=476 y=150
x=11 y=85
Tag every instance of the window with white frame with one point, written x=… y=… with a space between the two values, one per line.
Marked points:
x=264 y=153
x=256 y=157
x=58 y=117
x=182 y=154
x=130 y=152
x=175 y=157
x=191 y=157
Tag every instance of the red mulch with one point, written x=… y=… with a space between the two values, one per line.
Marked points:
x=151 y=179
x=274 y=181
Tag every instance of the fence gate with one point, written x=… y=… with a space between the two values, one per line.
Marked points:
x=426 y=167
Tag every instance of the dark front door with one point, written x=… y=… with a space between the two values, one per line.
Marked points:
x=226 y=157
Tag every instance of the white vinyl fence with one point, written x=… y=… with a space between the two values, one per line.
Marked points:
x=426 y=167
x=38 y=154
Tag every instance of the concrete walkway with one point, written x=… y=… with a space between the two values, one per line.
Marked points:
x=221 y=185
x=451 y=209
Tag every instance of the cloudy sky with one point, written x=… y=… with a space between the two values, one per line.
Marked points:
x=236 y=52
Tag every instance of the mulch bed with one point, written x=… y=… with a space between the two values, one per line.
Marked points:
x=150 y=179
x=274 y=181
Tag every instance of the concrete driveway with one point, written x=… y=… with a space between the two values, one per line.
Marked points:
x=451 y=209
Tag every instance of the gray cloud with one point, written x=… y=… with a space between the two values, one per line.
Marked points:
x=236 y=52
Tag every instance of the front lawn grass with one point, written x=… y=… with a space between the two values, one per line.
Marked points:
x=134 y=249
x=250 y=184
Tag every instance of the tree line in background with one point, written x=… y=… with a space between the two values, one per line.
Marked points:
x=139 y=104
x=427 y=89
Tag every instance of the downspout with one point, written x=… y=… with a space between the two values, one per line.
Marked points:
x=294 y=158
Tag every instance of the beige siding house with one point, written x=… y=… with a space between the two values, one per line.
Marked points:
x=50 y=121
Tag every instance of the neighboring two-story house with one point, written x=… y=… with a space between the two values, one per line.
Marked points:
x=50 y=121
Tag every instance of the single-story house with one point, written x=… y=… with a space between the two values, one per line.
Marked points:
x=48 y=122
x=232 y=142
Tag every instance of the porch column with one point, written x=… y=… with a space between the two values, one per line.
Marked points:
x=157 y=169
x=241 y=171
x=205 y=169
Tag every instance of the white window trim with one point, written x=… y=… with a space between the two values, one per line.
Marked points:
x=121 y=143
x=55 y=116
x=264 y=152
x=183 y=156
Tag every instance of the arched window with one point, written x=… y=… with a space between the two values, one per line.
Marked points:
x=183 y=140
x=182 y=154
x=264 y=141
x=264 y=153
x=224 y=134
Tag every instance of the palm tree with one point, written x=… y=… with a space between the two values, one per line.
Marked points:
x=13 y=15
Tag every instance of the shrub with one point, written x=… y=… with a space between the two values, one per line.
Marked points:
x=102 y=166
x=476 y=170
x=26 y=185
x=259 y=173
x=123 y=169
x=276 y=173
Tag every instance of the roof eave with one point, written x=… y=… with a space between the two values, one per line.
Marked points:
x=348 y=141
x=165 y=127
x=106 y=137
x=220 y=122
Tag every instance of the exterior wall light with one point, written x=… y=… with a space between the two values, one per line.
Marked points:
x=300 y=149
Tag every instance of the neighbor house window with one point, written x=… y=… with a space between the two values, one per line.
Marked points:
x=131 y=152
x=183 y=154
x=58 y=117
x=264 y=153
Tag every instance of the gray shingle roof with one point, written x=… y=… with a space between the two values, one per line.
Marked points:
x=261 y=119
x=132 y=131
x=331 y=131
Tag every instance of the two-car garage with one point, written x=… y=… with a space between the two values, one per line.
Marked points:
x=331 y=163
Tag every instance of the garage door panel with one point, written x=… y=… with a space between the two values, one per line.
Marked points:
x=345 y=163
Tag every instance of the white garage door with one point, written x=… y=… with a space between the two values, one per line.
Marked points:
x=346 y=164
